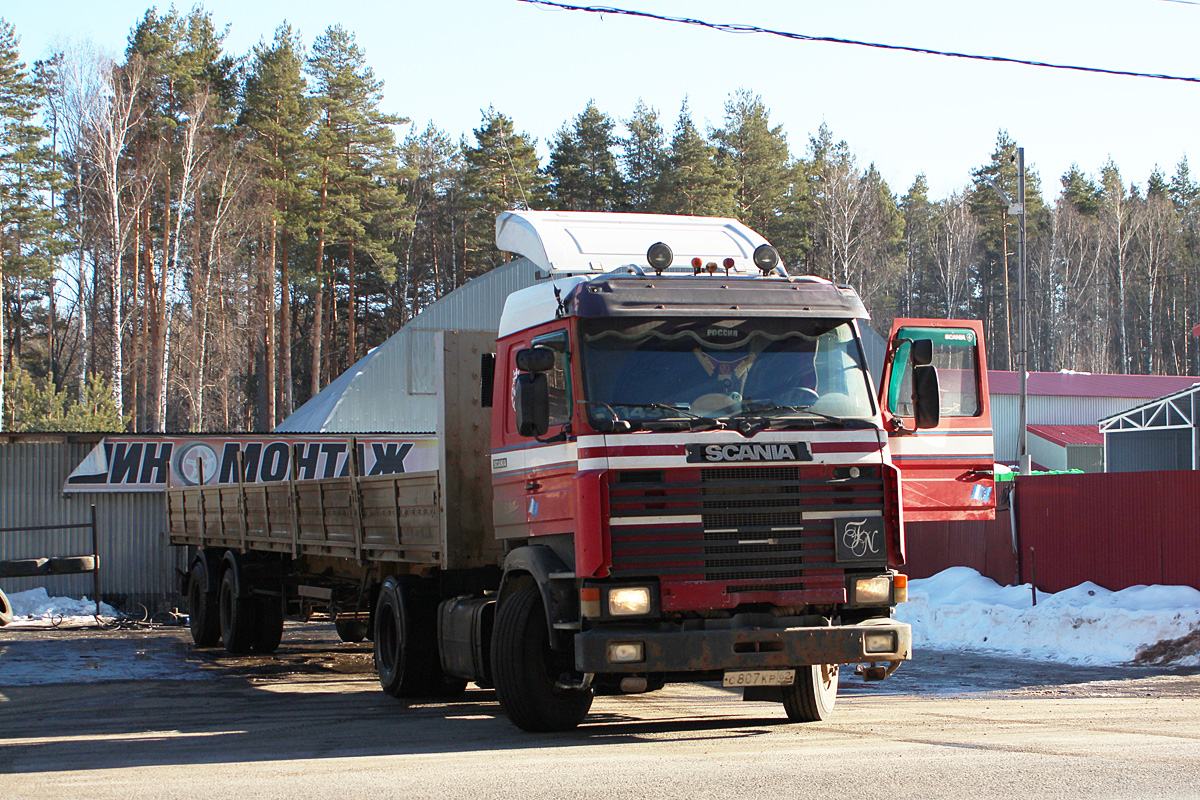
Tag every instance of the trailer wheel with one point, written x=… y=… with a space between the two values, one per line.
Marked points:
x=405 y=649
x=812 y=697
x=239 y=623
x=269 y=631
x=6 y=612
x=526 y=671
x=204 y=616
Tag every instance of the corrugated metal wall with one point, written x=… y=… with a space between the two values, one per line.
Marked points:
x=137 y=564
x=1149 y=449
x=1047 y=410
x=985 y=546
x=1115 y=529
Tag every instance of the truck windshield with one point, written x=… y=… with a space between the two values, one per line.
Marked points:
x=781 y=372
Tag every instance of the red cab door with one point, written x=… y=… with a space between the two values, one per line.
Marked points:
x=946 y=471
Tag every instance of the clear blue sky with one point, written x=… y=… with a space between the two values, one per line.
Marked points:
x=444 y=60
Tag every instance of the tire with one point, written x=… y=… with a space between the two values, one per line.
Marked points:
x=68 y=565
x=204 y=613
x=6 y=612
x=525 y=669
x=812 y=697
x=405 y=646
x=269 y=631
x=239 y=623
x=350 y=630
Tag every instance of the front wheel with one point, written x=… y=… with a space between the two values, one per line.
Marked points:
x=526 y=671
x=811 y=697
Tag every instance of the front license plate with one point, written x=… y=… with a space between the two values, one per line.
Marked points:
x=761 y=677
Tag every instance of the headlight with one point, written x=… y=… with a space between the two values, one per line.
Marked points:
x=629 y=601
x=873 y=591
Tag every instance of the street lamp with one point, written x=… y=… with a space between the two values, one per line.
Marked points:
x=1017 y=209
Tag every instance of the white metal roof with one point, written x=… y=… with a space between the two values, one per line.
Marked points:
x=566 y=242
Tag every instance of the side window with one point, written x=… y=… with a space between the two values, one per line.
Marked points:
x=954 y=357
x=558 y=380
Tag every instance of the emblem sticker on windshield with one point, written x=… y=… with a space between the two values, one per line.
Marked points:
x=733 y=453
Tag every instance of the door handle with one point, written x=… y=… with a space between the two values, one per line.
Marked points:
x=532 y=486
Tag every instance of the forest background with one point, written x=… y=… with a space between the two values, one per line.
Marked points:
x=195 y=240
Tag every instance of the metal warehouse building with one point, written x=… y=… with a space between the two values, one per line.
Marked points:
x=1067 y=398
x=1158 y=435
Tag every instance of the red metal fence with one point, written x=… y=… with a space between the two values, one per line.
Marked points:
x=1115 y=529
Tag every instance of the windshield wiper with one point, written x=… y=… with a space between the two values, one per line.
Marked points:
x=694 y=421
x=768 y=415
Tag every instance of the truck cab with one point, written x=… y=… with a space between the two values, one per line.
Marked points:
x=694 y=474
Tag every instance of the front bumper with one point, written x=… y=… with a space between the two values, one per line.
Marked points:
x=749 y=641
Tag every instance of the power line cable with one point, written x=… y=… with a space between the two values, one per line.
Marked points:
x=738 y=28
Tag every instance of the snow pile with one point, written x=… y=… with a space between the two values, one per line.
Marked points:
x=36 y=605
x=1087 y=624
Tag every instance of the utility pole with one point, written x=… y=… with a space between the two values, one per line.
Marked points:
x=1023 y=323
x=1017 y=210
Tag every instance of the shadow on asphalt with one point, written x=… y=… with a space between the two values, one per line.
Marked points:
x=317 y=698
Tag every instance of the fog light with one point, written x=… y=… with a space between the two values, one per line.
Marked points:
x=873 y=591
x=882 y=642
x=629 y=601
x=625 y=653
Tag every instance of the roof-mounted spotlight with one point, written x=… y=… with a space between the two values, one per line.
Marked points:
x=766 y=258
x=659 y=257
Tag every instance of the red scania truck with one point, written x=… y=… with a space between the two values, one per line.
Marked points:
x=669 y=462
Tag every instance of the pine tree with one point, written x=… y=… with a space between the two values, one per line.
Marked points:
x=432 y=261
x=919 y=296
x=756 y=154
x=500 y=173
x=279 y=114
x=583 y=168
x=29 y=231
x=695 y=183
x=358 y=203
x=644 y=159
x=998 y=278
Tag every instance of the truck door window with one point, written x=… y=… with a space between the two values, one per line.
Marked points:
x=954 y=357
x=558 y=379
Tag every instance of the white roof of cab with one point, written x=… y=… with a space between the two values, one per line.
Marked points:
x=574 y=242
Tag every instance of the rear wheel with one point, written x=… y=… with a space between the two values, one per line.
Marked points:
x=526 y=671
x=269 y=630
x=405 y=647
x=6 y=612
x=204 y=615
x=812 y=697
x=239 y=624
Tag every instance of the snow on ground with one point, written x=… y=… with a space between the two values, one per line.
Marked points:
x=960 y=609
x=36 y=607
x=956 y=609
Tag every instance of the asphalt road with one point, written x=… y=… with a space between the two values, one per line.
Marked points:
x=95 y=719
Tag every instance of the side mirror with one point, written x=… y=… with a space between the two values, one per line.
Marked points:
x=922 y=352
x=535 y=359
x=532 y=401
x=927 y=403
